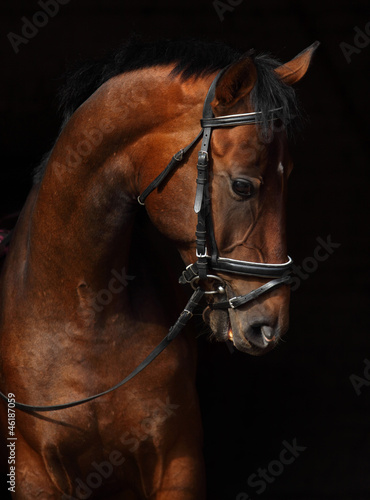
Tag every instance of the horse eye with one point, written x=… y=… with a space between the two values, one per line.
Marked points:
x=243 y=188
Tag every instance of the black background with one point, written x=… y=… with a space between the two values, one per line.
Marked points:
x=303 y=389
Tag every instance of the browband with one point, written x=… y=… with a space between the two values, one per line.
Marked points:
x=236 y=120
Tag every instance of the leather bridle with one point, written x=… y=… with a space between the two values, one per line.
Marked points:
x=207 y=265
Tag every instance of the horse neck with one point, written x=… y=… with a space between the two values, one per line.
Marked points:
x=85 y=207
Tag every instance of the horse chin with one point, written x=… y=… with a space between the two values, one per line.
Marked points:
x=224 y=329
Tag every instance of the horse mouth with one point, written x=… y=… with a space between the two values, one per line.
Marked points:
x=253 y=340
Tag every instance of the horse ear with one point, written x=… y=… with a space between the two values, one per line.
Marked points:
x=292 y=71
x=237 y=81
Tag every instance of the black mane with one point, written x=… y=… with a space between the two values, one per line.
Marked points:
x=192 y=58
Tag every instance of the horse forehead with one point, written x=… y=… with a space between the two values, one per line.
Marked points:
x=245 y=149
x=236 y=140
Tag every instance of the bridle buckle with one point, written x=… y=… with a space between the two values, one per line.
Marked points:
x=201 y=255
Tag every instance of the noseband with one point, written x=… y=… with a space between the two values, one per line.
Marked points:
x=208 y=264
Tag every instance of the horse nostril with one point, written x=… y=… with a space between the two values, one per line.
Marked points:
x=268 y=333
x=261 y=334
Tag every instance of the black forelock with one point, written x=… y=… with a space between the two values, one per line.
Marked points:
x=270 y=92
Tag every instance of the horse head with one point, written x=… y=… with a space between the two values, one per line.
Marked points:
x=247 y=188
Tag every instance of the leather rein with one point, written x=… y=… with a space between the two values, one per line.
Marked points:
x=207 y=265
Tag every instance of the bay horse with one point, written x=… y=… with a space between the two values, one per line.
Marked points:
x=89 y=285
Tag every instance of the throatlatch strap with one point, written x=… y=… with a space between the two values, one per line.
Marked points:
x=181 y=322
x=175 y=160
